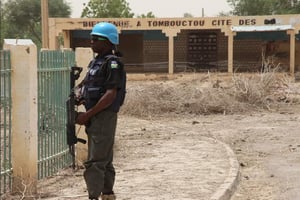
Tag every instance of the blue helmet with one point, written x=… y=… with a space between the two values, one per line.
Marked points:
x=107 y=30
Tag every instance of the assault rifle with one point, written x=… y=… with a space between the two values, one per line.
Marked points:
x=72 y=114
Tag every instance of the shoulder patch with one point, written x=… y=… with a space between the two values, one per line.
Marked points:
x=114 y=65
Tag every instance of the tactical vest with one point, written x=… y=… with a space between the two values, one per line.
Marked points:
x=95 y=80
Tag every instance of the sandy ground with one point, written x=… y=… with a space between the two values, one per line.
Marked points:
x=266 y=144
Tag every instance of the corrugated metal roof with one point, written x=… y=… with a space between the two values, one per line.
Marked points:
x=261 y=28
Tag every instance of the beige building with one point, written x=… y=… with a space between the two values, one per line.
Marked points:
x=199 y=44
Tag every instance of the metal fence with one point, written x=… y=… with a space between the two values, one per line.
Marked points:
x=5 y=125
x=53 y=90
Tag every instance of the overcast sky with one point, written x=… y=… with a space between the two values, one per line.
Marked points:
x=165 y=8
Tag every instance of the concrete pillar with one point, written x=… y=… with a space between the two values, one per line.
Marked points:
x=292 y=51
x=82 y=56
x=230 y=52
x=171 y=55
x=24 y=115
x=171 y=33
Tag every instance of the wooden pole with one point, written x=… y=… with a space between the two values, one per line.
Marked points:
x=45 y=26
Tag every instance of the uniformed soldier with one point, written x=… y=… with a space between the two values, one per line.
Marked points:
x=100 y=88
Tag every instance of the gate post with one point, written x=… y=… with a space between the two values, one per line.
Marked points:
x=24 y=115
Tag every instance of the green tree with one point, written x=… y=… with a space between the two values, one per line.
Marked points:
x=223 y=13
x=22 y=18
x=264 y=7
x=148 y=15
x=107 y=9
x=250 y=7
x=2 y=29
x=187 y=15
x=286 y=7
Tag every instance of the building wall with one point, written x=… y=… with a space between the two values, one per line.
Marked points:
x=151 y=55
x=145 y=42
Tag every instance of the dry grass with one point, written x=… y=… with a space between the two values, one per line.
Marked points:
x=207 y=94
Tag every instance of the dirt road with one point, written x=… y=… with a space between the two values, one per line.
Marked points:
x=267 y=146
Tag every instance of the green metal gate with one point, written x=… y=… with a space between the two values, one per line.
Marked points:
x=53 y=90
x=5 y=125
